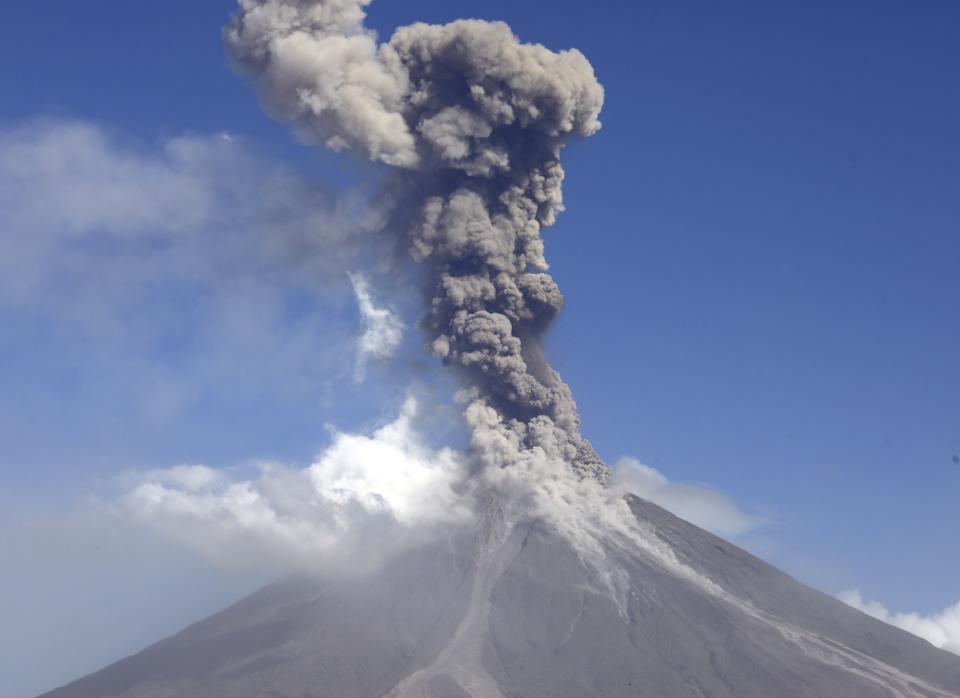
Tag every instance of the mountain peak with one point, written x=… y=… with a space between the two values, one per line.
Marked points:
x=520 y=612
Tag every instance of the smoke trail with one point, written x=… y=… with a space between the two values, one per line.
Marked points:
x=474 y=121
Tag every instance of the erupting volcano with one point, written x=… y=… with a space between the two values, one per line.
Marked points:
x=558 y=583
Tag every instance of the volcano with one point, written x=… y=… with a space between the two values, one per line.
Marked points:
x=514 y=610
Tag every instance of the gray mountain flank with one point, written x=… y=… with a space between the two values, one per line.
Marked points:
x=485 y=615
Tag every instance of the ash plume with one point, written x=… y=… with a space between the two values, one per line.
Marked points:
x=473 y=121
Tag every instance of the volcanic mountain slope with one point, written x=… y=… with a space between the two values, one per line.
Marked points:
x=686 y=614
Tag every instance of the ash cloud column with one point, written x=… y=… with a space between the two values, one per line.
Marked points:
x=474 y=121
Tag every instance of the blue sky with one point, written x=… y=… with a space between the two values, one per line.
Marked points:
x=760 y=255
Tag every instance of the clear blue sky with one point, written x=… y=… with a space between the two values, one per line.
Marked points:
x=761 y=259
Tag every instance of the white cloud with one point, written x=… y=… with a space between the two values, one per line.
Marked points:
x=939 y=629
x=175 y=269
x=382 y=330
x=365 y=497
x=209 y=203
x=191 y=478
x=69 y=178
x=698 y=504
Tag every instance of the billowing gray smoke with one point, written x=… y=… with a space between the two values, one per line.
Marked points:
x=474 y=122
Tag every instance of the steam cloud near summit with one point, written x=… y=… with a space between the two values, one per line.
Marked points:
x=473 y=121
